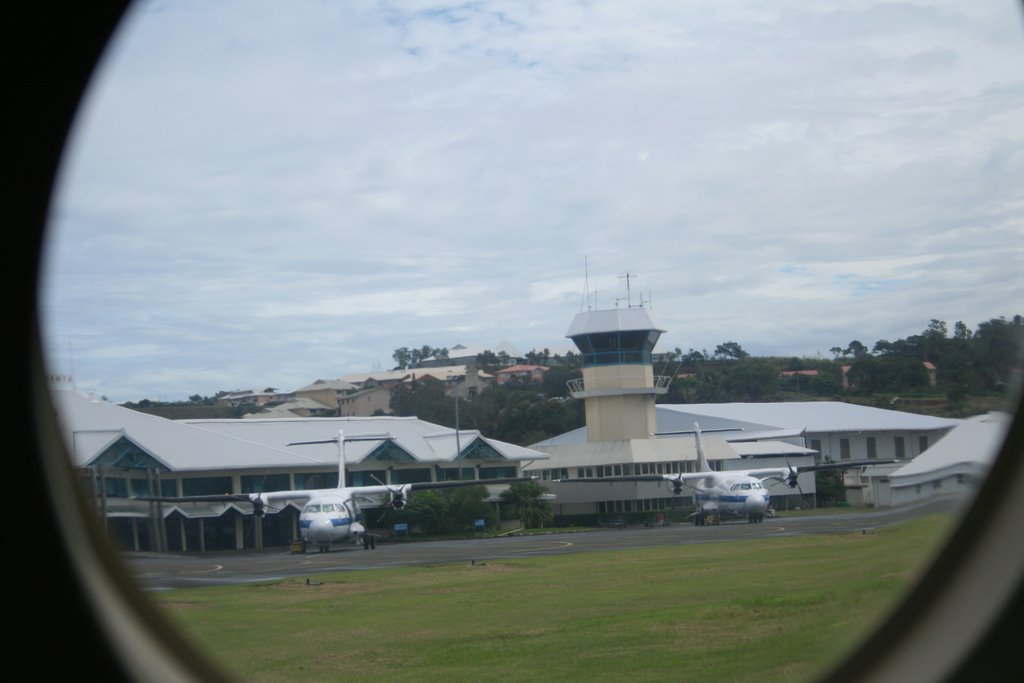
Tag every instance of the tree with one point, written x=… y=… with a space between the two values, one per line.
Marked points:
x=961 y=331
x=855 y=349
x=403 y=358
x=525 y=500
x=429 y=511
x=423 y=398
x=486 y=360
x=466 y=505
x=751 y=380
x=730 y=349
x=538 y=357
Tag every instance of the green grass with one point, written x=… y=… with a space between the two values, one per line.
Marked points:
x=775 y=609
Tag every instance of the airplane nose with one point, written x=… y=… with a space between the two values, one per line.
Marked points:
x=320 y=531
x=756 y=504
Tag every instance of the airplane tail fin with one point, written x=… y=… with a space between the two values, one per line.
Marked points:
x=702 y=461
x=341 y=459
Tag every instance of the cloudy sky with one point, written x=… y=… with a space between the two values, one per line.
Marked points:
x=264 y=194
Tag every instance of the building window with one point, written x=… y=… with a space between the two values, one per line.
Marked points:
x=455 y=473
x=508 y=472
x=844 y=449
x=115 y=487
x=872 y=448
x=206 y=486
x=260 y=483
x=415 y=476
x=922 y=444
x=816 y=446
x=901 y=449
x=306 y=481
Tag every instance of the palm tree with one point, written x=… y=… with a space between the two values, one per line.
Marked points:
x=526 y=499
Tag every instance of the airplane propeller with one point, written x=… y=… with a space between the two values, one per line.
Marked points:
x=398 y=500
x=676 y=486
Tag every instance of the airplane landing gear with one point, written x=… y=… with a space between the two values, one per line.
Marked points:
x=704 y=518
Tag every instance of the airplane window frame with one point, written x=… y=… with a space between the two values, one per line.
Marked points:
x=960 y=620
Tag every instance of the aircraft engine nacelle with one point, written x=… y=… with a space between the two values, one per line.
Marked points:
x=259 y=507
x=398 y=499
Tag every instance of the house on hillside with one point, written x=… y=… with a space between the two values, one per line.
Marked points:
x=521 y=373
x=253 y=397
x=466 y=355
x=458 y=380
x=327 y=392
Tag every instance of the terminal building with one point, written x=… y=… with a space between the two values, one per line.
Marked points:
x=628 y=433
x=125 y=455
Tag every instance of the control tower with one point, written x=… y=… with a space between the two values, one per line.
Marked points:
x=618 y=385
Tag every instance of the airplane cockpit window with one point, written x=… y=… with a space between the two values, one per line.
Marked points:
x=816 y=200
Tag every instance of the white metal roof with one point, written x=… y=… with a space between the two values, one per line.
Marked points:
x=462 y=351
x=612 y=320
x=90 y=426
x=811 y=416
x=756 y=421
x=425 y=442
x=970 y=447
x=323 y=384
x=447 y=372
x=633 y=450
x=761 y=449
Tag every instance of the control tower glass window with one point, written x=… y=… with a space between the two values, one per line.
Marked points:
x=616 y=348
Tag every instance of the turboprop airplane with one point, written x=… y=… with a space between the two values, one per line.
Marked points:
x=332 y=516
x=736 y=492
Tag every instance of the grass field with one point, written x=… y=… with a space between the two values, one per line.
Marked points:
x=774 y=609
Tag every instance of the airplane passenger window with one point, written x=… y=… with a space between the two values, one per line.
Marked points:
x=255 y=195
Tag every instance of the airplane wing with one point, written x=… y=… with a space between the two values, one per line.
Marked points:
x=843 y=464
x=420 y=486
x=302 y=495
x=789 y=474
x=399 y=493
x=676 y=481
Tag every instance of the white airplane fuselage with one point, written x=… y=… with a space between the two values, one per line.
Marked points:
x=738 y=494
x=330 y=518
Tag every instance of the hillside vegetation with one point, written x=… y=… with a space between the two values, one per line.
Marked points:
x=936 y=372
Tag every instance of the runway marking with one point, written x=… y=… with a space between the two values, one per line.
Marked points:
x=558 y=544
x=216 y=568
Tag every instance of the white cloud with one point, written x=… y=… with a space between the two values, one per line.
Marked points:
x=259 y=194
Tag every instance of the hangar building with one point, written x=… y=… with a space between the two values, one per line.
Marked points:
x=954 y=466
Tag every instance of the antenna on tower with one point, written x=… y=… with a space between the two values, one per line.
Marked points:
x=586 y=283
x=629 y=293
